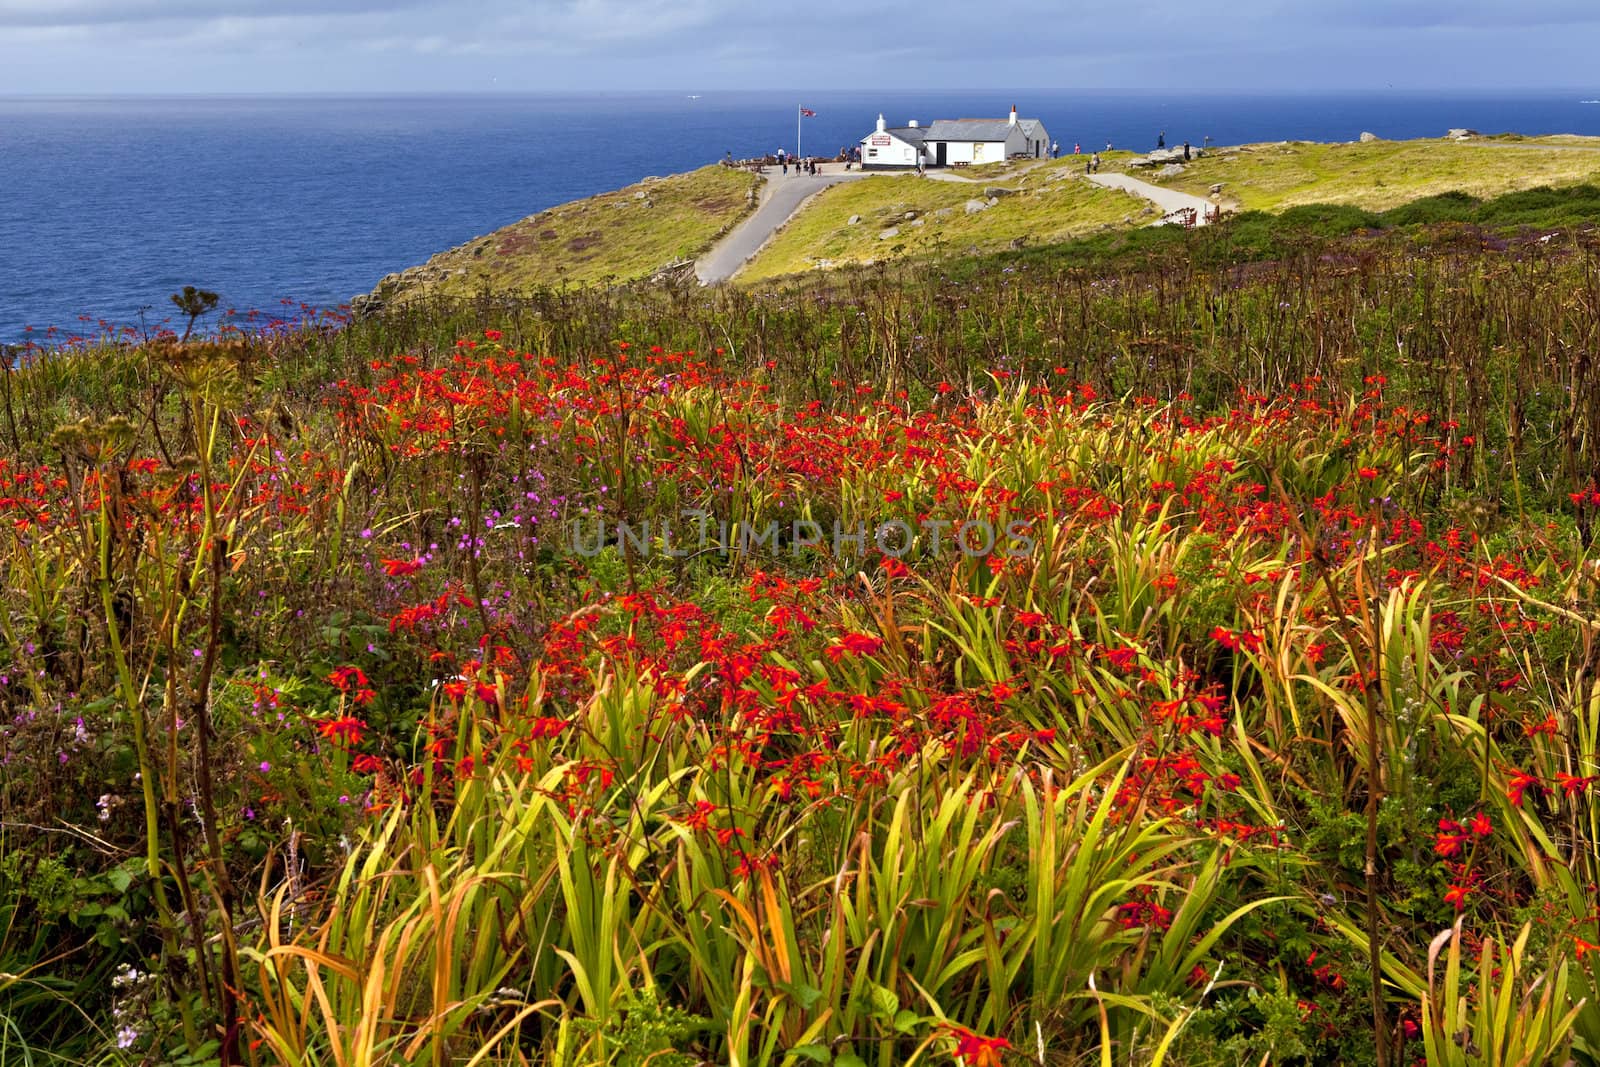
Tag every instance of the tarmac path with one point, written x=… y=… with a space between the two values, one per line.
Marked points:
x=780 y=197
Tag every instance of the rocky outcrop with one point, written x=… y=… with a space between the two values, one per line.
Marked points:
x=681 y=270
x=1461 y=134
x=1166 y=156
x=1368 y=138
x=393 y=285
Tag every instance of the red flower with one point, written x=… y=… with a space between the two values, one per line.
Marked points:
x=975 y=1051
x=1367 y=473
x=1449 y=839
x=1521 y=782
x=854 y=645
x=1480 y=825
x=1574 y=786
x=399 y=568
x=345 y=730
x=1457 y=895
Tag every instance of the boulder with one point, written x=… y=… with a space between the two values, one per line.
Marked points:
x=853 y=220
x=995 y=192
x=892 y=231
x=681 y=270
x=1163 y=156
x=919 y=222
x=1171 y=170
x=1368 y=138
x=910 y=215
x=1461 y=134
x=1216 y=189
x=975 y=206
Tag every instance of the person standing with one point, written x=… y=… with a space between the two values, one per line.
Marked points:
x=1161 y=139
x=1055 y=149
x=1186 y=151
x=1077 y=149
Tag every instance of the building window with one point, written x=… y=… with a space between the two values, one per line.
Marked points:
x=872 y=153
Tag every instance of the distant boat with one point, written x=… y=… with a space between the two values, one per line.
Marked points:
x=1589 y=101
x=696 y=96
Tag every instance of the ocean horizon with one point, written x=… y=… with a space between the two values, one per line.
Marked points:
x=291 y=201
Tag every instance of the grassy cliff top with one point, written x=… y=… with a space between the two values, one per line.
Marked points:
x=904 y=216
x=619 y=236
x=1378 y=175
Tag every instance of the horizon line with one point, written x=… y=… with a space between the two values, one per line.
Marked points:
x=23 y=94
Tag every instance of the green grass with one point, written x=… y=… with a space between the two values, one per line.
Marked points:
x=620 y=236
x=1382 y=174
x=1048 y=208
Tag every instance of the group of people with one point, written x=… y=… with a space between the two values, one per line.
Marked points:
x=850 y=155
x=805 y=166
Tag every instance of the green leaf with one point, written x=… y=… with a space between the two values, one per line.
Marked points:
x=814 y=1053
x=804 y=995
x=884 y=1001
x=906 y=1021
x=850 y=1059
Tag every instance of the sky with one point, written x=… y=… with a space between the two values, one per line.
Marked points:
x=267 y=46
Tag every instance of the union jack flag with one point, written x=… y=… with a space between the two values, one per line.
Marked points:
x=808 y=113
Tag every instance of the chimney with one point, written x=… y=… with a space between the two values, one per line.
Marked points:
x=881 y=126
x=1013 y=119
x=911 y=124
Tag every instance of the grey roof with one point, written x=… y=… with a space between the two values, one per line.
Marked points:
x=911 y=135
x=970 y=129
x=1031 y=128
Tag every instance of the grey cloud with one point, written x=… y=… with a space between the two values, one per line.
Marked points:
x=83 y=13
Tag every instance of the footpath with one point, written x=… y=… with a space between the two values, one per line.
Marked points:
x=780 y=197
x=1170 y=201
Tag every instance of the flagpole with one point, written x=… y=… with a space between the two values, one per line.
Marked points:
x=799 y=112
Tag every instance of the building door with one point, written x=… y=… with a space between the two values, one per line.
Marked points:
x=938 y=154
x=977 y=152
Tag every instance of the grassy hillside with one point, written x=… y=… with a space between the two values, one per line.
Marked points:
x=1384 y=174
x=619 y=236
x=903 y=216
x=1171 y=640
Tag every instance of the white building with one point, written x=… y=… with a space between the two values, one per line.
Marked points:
x=896 y=148
x=956 y=142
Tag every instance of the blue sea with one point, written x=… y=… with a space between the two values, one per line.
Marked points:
x=108 y=205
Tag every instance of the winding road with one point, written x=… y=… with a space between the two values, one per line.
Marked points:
x=780 y=197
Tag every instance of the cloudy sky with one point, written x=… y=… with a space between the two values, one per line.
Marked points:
x=162 y=46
